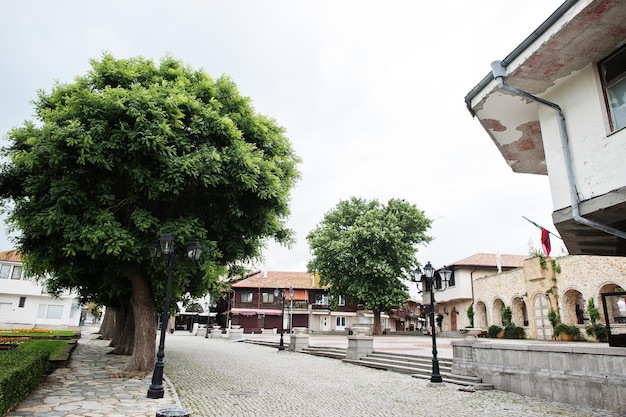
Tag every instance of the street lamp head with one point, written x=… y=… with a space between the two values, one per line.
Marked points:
x=417 y=274
x=429 y=271
x=167 y=244
x=194 y=250
x=276 y=292
x=291 y=292
x=445 y=274
x=153 y=249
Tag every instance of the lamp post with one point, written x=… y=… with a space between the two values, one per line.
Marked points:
x=194 y=250
x=431 y=284
x=291 y=294
x=207 y=308
x=281 y=293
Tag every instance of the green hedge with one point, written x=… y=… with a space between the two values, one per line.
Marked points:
x=20 y=372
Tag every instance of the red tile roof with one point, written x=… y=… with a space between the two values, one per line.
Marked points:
x=489 y=260
x=11 y=256
x=275 y=279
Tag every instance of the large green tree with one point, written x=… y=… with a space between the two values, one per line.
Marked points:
x=365 y=250
x=132 y=150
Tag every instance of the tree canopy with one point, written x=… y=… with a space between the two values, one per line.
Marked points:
x=365 y=250
x=135 y=149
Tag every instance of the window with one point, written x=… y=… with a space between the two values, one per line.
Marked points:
x=22 y=302
x=246 y=297
x=613 y=73
x=452 y=282
x=342 y=300
x=17 y=272
x=267 y=297
x=321 y=299
x=340 y=321
x=4 y=271
x=47 y=311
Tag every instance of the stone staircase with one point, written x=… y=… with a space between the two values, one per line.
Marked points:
x=415 y=365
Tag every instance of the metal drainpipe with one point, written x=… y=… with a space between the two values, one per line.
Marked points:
x=499 y=72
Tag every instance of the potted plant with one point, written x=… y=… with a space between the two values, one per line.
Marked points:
x=493 y=331
x=566 y=332
x=595 y=329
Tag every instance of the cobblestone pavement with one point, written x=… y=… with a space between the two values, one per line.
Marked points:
x=215 y=377
x=87 y=388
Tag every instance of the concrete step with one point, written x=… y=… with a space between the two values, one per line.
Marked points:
x=418 y=367
x=328 y=352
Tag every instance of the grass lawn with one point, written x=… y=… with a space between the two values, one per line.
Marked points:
x=53 y=346
x=36 y=333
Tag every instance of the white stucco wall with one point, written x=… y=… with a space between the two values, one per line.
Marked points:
x=597 y=154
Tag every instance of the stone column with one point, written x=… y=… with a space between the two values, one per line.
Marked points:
x=359 y=346
x=298 y=342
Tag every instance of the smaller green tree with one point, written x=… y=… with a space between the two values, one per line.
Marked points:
x=366 y=250
x=595 y=329
x=470 y=315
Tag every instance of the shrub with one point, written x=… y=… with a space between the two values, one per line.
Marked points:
x=470 y=315
x=493 y=330
x=20 y=372
x=599 y=331
x=512 y=331
x=566 y=329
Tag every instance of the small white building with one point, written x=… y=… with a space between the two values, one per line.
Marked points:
x=24 y=303
x=556 y=106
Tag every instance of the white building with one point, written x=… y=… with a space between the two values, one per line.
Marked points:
x=24 y=303
x=556 y=106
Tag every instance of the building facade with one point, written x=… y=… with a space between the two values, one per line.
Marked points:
x=255 y=306
x=556 y=106
x=24 y=303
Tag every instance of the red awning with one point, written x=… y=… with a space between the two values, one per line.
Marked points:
x=255 y=311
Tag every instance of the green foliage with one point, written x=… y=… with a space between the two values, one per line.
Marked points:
x=439 y=321
x=20 y=372
x=566 y=329
x=556 y=267
x=553 y=318
x=194 y=308
x=592 y=310
x=134 y=149
x=597 y=330
x=53 y=347
x=511 y=331
x=365 y=249
x=542 y=259
x=470 y=315
x=507 y=315
x=493 y=331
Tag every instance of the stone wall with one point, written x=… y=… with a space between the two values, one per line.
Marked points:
x=575 y=373
x=580 y=278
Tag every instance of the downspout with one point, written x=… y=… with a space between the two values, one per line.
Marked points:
x=499 y=72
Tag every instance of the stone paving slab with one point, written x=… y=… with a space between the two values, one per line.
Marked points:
x=215 y=377
x=86 y=388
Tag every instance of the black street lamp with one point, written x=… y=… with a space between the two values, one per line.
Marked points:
x=431 y=284
x=207 y=308
x=281 y=293
x=194 y=250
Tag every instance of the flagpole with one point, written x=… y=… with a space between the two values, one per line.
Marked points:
x=542 y=228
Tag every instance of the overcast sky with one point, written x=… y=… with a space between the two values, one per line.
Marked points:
x=370 y=93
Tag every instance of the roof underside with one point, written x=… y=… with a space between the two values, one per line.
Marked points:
x=568 y=45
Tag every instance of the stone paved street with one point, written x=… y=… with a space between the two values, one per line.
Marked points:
x=215 y=377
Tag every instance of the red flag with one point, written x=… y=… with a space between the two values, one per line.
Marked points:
x=545 y=241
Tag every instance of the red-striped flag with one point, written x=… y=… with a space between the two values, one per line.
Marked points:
x=545 y=241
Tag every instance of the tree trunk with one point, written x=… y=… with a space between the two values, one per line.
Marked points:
x=108 y=324
x=124 y=338
x=376 y=330
x=144 y=314
x=116 y=332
